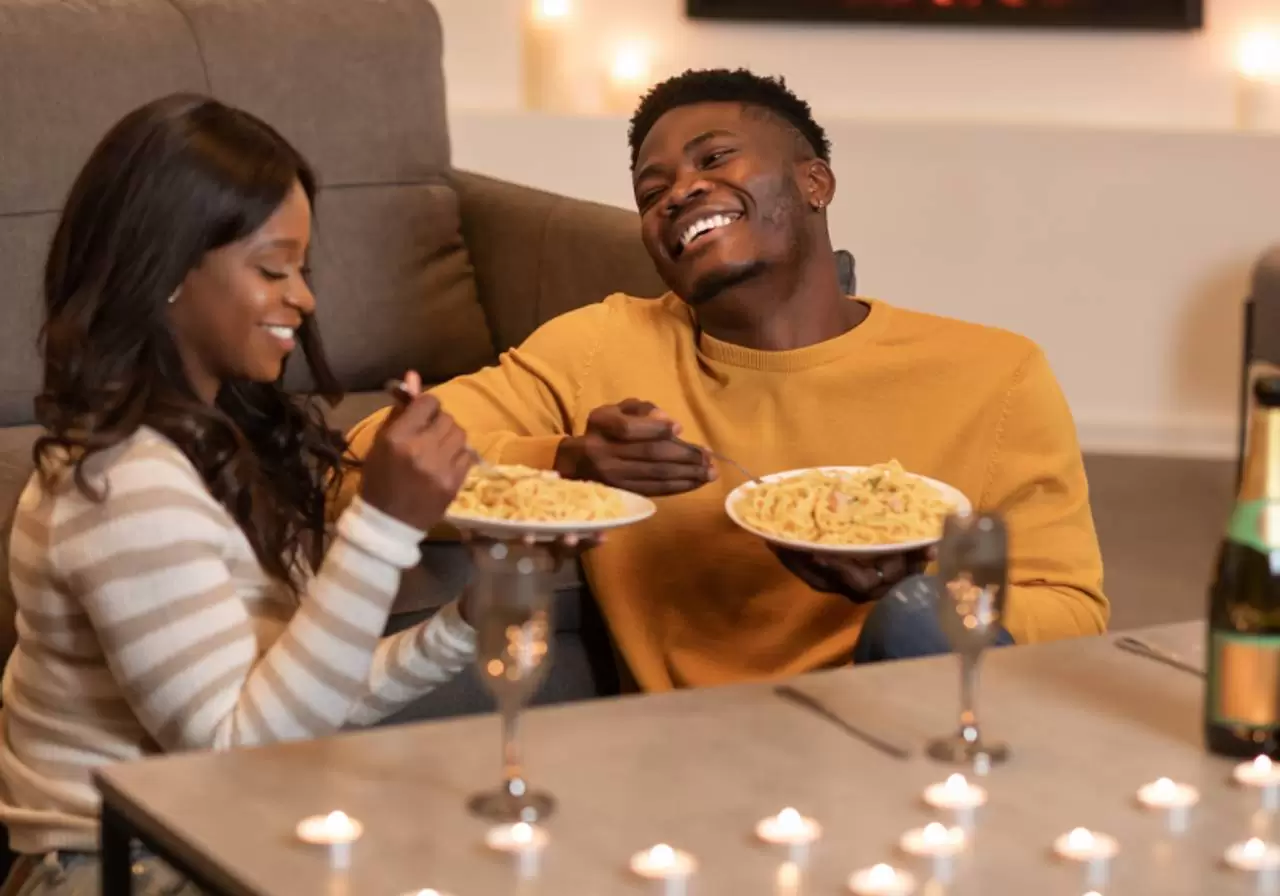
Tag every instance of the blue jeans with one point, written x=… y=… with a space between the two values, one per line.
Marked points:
x=904 y=625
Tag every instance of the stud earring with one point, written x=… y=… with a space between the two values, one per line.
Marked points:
x=173 y=296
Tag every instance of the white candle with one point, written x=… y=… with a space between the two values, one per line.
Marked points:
x=629 y=76
x=1092 y=849
x=522 y=840
x=882 y=880
x=337 y=831
x=934 y=840
x=1166 y=794
x=547 y=51
x=955 y=793
x=664 y=863
x=1263 y=774
x=1253 y=855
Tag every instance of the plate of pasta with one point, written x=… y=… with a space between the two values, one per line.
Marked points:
x=880 y=509
x=510 y=500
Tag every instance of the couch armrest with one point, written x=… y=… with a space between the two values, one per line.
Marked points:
x=538 y=254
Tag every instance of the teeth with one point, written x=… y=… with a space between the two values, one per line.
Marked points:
x=281 y=332
x=697 y=228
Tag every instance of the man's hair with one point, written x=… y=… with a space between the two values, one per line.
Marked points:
x=720 y=85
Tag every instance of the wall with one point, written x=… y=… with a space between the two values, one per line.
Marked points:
x=1008 y=195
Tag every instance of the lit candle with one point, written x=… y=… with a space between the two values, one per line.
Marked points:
x=1092 y=849
x=522 y=840
x=336 y=830
x=1258 y=80
x=957 y=795
x=629 y=77
x=546 y=49
x=1253 y=855
x=664 y=863
x=882 y=880
x=932 y=840
x=789 y=828
x=1177 y=799
x=1263 y=774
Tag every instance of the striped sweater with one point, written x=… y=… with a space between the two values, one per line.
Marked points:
x=146 y=625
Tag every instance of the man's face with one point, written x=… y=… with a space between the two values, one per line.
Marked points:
x=719 y=196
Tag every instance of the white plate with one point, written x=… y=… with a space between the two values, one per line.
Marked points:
x=637 y=508
x=949 y=493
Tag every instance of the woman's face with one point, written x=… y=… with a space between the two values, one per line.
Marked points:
x=238 y=311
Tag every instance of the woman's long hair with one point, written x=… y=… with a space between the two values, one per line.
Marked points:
x=172 y=181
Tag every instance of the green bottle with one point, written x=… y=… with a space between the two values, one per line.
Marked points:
x=1242 y=694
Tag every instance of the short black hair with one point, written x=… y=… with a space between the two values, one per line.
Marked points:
x=720 y=85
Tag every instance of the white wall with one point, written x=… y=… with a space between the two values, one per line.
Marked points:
x=1004 y=192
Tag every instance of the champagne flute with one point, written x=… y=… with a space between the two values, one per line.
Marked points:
x=973 y=572
x=512 y=612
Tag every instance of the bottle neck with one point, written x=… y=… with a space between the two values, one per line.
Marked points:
x=1261 y=479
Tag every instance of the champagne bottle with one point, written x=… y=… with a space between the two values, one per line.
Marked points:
x=1242 y=694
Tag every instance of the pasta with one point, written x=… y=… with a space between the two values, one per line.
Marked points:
x=880 y=505
x=523 y=494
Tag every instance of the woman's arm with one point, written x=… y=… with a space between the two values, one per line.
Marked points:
x=164 y=575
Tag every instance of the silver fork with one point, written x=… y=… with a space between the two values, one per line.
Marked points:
x=720 y=457
x=1138 y=647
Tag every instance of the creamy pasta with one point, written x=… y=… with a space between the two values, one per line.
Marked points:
x=523 y=494
x=880 y=505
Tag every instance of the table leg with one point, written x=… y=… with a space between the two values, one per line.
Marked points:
x=117 y=854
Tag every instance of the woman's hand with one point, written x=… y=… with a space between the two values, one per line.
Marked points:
x=861 y=579
x=418 y=460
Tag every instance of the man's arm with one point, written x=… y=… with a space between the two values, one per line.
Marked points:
x=1037 y=481
x=519 y=410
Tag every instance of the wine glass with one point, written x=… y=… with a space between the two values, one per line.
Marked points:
x=973 y=576
x=512 y=615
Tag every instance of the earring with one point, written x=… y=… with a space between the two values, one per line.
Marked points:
x=173 y=296
x=820 y=204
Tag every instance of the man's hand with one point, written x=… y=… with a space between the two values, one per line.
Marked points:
x=632 y=446
x=861 y=579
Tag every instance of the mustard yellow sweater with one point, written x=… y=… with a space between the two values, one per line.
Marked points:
x=690 y=599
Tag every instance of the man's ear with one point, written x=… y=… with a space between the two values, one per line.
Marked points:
x=819 y=183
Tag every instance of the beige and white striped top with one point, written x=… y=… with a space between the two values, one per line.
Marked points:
x=146 y=625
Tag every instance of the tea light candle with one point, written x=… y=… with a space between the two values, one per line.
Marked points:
x=662 y=862
x=1090 y=848
x=337 y=830
x=1253 y=855
x=789 y=828
x=1164 y=793
x=933 y=839
x=1261 y=773
x=522 y=840
x=955 y=793
x=882 y=880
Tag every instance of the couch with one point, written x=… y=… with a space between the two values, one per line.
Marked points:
x=416 y=264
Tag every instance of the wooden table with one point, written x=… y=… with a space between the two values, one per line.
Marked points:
x=1088 y=724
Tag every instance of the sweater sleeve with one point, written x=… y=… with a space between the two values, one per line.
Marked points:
x=1037 y=480
x=152 y=566
x=519 y=410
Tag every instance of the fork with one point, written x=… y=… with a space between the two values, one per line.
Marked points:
x=720 y=457
x=1137 y=646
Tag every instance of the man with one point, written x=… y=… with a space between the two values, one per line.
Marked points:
x=758 y=355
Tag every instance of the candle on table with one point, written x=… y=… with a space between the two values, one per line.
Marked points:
x=1253 y=855
x=789 y=828
x=1263 y=774
x=882 y=880
x=546 y=50
x=337 y=831
x=957 y=795
x=935 y=841
x=1091 y=849
x=522 y=840
x=1177 y=799
x=664 y=863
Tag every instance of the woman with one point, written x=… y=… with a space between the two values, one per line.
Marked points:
x=163 y=553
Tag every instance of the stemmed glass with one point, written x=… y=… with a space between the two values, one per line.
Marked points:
x=512 y=617
x=973 y=575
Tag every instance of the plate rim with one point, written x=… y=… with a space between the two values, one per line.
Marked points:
x=964 y=503
x=644 y=508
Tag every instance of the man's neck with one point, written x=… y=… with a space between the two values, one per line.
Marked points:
x=768 y=313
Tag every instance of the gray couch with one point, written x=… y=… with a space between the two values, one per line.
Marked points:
x=416 y=264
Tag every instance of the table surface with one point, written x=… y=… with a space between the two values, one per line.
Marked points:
x=1088 y=724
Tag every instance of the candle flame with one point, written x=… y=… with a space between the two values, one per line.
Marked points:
x=1080 y=838
x=1258 y=59
x=789 y=819
x=522 y=832
x=1163 y=785
x=1255 y=848
x=957 y=783
x=935 y=833
x=662 y=854
x=338 y=824
x=881 y=875
x=1262 y=764
x=553 y=9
